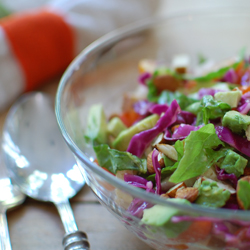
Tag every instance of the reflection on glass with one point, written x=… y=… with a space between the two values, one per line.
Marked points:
x=74 y=174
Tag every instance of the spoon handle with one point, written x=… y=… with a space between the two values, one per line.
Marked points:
x=4 y=233
x=73 y=239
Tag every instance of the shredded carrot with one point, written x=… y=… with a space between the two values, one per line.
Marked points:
x=244 y=89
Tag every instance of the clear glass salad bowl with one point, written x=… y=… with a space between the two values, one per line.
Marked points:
x=105 y=71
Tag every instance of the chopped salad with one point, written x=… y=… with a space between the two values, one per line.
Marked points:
x=184 y=137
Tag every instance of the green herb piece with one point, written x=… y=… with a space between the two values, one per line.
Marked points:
x=114 y=160
x=215 y=75
x=208 y=108
x=168 y=97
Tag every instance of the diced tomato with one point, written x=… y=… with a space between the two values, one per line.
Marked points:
x=197 y=231
x=244 y=89
x=129 y=117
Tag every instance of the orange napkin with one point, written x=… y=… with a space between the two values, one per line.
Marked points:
x=38 y=45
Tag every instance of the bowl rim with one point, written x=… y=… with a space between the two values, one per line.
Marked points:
x=102 y=42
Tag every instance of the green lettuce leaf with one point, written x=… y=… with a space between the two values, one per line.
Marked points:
x=207 y=109
x=196 y=160
x=215 y=75
x=114 y=160
x=168 y=97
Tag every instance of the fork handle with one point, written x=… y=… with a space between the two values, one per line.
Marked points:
x=4 y=232
x=74 y=239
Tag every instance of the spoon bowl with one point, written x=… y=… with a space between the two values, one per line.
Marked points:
x=39 y=161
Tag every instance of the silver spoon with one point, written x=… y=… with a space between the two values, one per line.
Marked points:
x=10 y=196
x=40 y=162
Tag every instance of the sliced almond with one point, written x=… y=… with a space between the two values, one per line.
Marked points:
x=211 y=174
x=120 y=174
x=161 y=160
x=150 y=166
x=165 y=196
x=189 y=193
x=159 y=139
x=248 y=132
x=246 y=171
x=147 y=65
x=180 y=63
x=168 y=150
x=172 y=192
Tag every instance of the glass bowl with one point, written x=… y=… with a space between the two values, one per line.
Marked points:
x=107 y=69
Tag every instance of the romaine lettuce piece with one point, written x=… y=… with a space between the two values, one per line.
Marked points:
x=196 y=160
x=96 y=132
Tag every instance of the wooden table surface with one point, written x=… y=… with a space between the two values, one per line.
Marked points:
x=37 y=225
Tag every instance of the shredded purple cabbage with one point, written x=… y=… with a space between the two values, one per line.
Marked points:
x=158 y=109
x=142 y=140
x=230 y=76
x=245 y=79
x=231 y=205
x=244 y=109
x=157 y=169
x=142 y=107
x=208 y=91
x=236 y=141
x=184 y=130
x=222 y=176
x=144 y=77
x=244 y=104
x=137 y=207
x=139 y=181
x=188 y=117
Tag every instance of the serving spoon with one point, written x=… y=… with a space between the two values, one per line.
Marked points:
x=40 y=162
x=10 y=196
